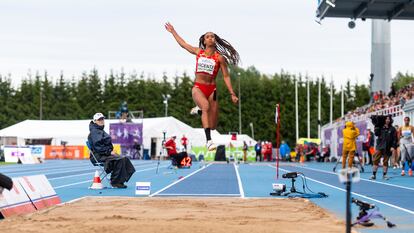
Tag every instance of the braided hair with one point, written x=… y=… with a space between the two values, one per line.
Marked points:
x=224 y=48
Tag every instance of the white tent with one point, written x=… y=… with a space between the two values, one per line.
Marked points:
x=75 y=132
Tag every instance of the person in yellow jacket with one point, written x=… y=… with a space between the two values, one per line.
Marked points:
x=350 y=134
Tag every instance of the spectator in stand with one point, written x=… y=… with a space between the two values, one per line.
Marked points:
x=258 y=149
x=184 y=142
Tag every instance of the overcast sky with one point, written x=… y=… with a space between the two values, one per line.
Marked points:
x=77 y=35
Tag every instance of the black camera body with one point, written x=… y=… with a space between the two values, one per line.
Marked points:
x=378 y=120
x=290 y=175
x=363 y=205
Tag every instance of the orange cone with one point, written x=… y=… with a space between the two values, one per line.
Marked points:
x=97 y=184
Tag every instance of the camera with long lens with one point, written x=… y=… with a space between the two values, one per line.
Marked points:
x=290 y=175
x=137 y=146
x=378 y=120
x=363 y=205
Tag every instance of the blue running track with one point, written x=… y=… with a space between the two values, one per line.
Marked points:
x=394 y=197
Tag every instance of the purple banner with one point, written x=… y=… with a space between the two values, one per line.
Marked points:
x=327 y=137
x=126 y=133
x=129 y=136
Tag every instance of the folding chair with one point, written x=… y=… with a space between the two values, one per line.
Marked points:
x=103 y=174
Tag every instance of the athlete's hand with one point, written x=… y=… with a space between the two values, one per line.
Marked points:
x=234 y=99
x=169 y=27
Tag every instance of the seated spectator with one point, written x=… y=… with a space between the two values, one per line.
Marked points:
x=176 y=158
x=299 y=152
x=311 y=152
x=121 y=168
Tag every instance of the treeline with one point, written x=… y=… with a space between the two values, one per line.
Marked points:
x=70 y=99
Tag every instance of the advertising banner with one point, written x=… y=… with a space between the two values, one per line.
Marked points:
x=64 y=152
x=12 y=154
x=128 y=136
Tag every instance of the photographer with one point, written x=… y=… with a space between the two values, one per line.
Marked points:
x=386 y=143
x=350 y=134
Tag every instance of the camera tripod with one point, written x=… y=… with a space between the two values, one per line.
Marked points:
x=292 y=188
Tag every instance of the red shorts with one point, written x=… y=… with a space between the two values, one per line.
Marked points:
x=207 y=89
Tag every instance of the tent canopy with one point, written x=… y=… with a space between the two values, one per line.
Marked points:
x=364 y=9
x=75 y=132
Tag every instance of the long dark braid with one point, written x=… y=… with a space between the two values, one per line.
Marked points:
x=224 y=48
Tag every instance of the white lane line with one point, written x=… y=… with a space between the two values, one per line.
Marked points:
x=86 y=181
x=177 y=181
x=71 y=184
x=63 y=177
x=85 y=173
x=356 y=194
x=47 y=169
x=73 y=200
x=241 y=190
x=373 y=181
x=67 y=171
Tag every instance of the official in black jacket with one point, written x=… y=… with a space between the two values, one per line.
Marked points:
x=386 y=144
x=121 y=168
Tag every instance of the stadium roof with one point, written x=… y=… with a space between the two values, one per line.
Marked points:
x=364 y=9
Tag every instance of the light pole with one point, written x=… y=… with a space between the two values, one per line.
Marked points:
x=240 y=123
x=166 y=98
x=251 y=127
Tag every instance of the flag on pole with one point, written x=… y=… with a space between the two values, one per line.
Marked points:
x=277 y=113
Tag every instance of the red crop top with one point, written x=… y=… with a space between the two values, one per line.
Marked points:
x=207 y=64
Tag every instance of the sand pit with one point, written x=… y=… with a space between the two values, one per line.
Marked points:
x=182 y=215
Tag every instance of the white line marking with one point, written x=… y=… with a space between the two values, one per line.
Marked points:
x=72 y=201
x=177 y=181
x=71 y=184
x=63 y=177
x=373 y=181
x=356 y=194
x=241 y=190
x=85 y=173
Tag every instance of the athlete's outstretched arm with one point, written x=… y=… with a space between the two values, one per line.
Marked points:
x=226 y=76
x=181 y=41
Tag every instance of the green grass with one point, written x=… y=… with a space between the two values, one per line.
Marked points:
x=4 y=163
